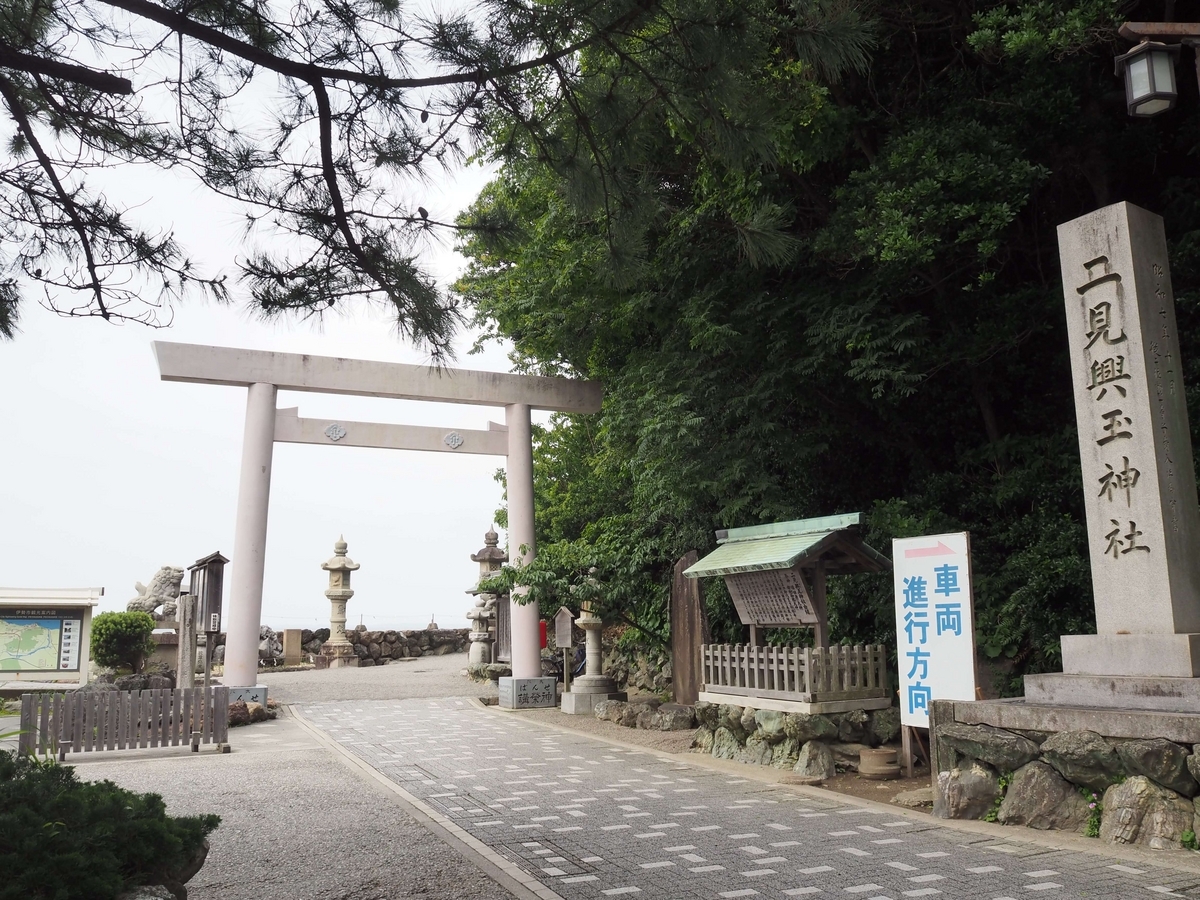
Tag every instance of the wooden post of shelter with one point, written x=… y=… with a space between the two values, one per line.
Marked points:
x=689 y=632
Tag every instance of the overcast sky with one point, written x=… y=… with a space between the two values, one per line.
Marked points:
x=110 y=473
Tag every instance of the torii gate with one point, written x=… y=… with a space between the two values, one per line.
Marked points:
x=265 y=373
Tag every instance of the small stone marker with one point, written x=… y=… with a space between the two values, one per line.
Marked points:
x=291 y=647
x=1140 y=490
x=527 y=693
x=563 y=620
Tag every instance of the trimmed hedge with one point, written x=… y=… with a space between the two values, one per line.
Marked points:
x=122 y=639
x=66 y=839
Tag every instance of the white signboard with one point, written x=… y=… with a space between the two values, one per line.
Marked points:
x=935 y=628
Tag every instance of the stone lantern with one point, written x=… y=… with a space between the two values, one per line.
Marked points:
x=338 y=650
x=483 y=616
x=593 y=685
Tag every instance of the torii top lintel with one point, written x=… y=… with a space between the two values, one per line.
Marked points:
x=202 y=364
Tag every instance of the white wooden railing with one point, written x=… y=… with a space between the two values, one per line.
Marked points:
x=807 y=674
x=82 y=722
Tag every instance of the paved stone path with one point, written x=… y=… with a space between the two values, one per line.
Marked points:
x=589 y=820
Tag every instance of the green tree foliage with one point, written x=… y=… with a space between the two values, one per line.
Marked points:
x=66 y=839
x=122 y=639
x=851 y=303
x=319 y=118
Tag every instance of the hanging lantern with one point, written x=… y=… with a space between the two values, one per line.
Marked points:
x=1149 y=70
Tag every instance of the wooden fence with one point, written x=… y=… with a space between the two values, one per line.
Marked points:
x=82 y=722
x=807 y=674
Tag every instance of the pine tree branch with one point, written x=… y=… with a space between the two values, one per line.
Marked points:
x=307 y=72
x=36 y=65
x=9 y=94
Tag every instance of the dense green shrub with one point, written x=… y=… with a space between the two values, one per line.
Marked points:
x=66 y=839
x=122 y=639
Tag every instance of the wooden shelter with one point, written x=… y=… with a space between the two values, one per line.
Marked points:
x=776 y=575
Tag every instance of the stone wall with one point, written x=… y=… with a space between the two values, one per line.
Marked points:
x=372 y=647
x=638 y=669
x=378 y=648
x=1124 y=791
x=811 y=746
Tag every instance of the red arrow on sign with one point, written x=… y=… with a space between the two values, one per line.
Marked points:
x=940 y=550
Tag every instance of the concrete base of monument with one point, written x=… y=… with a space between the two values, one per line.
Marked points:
x=1114 y=692
x=255 y=694
x=713 y=695
x=1132 y=655
x=579 y=704
x=527 y=693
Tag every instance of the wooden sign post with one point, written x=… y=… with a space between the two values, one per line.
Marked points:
x=563 y=620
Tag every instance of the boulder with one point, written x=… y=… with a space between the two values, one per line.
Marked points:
x=725 y=744
x=360 y=650
x=815 y=762
x=749 y=724
x=605 y=709
x=627 y=715
x=385 y=649
x=257 y=712
x=675 y=717
x=160 y=682
x=729 y=717
x=769 y=723
x=805 y=727
x=785 y=754
x=702 y=740
x=1083 y=758
x=239 y=714
x=365 y=663
x=708 y=714
x=219 y=655
x=885 y=725
x=1038 y=797
x=756 y=752
x=847 y=755
x=1138 y=811
x=967 y=791
x=132 y=682
x=647 y=718
x=496 y=671
x=851 y=726
x=375 y=650
x=96 y=687
x=1160 y=760
x=1001 y=749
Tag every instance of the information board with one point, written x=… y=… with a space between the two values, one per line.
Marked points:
x=771 y=597
x=37 y=639
x=935 y=628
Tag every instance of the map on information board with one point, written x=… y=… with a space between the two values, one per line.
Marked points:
x=41 y=641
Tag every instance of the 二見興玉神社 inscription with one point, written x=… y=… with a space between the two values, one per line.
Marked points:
x=1135 y=448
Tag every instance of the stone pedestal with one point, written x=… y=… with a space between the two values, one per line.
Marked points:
x=580 y=704
x=1132 y=655
x=1155 y=693
x=593 y=685
x=339 y=656
x=527 y=693
x=253 y=694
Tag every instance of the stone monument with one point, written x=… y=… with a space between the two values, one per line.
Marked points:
x=338 y=651
x=1143 y=520
x=593 y=685
x=483 y=615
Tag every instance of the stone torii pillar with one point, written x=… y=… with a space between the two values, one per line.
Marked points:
x=265 y=373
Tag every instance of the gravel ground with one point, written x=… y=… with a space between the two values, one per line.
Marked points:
x=296 y=823
x=425 y=676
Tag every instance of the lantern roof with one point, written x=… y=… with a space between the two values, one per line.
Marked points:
x=340 y=562
x=831 y=540
x=491 y=551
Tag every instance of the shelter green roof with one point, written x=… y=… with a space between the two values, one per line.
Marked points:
x=832 y=540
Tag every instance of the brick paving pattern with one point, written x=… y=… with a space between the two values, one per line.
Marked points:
x=590 y=820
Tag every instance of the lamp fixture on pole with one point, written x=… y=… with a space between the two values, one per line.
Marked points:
x=1149 y=68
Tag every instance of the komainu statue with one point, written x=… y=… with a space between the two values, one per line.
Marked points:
x=163 y=592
